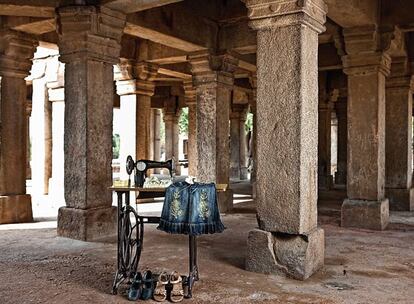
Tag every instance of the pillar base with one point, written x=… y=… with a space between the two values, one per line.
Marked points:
x=401 y=199
x=297 y=256
x=372 y=215
x=87 y=225
x=225 y=201
x=16 y=209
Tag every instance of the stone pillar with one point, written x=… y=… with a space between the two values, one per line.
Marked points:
x=253 y=108
x=238 y=147
x=48 y=144
x=288 y=240
x=89 y=44
x=235 y=145
x=172 y=137
x=190 y=99
x=341 y=114
x=213 y=79
x=137 y=79
x=366 y=205
x=399 y=150
x=157 y=139
x=325 y=179
x=56 y=183
x=16 y=50
x=27 y=135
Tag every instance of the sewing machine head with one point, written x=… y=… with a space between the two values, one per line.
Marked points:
x=142 y=165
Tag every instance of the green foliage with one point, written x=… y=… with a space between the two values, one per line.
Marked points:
x=183 y=121
x=116 y=142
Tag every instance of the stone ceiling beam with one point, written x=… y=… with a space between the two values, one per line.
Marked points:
x=174 y=26
x=31 y=25
x=132 y=6
x=38 y=8
x=352 y=13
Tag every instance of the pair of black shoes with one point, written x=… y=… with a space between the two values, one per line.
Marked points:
x=142 y=286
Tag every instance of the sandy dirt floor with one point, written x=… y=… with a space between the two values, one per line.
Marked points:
x=361 y=267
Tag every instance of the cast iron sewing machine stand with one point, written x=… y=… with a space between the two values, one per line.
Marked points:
x=131 y=238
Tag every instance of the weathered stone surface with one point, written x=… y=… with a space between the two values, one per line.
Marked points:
x=399 y=150
x=15 y=209
x=287 y=137
x=365 y=214
x=225 y=201
x=192 y=139
x=87 y=225
x=297 y=256
x=400 y=199
x=341 y=114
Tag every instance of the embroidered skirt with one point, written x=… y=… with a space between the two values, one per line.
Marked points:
x=191 y=209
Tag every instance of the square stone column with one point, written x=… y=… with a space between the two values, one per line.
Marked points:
x=238 y=146
x=89 y=45
x=288 y=240
x=172 y=136
x=341 y=114
x=253 y=139
x=325 y=179
x=399 y=150
x=190 y=100
x=137 y=79
x=213 y=79
x=366 y=67
x=16 y=52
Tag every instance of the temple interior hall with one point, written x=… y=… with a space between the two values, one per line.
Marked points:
x=299 y=111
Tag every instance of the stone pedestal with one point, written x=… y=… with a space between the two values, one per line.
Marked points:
x=97 y=224
x=341 y=114
x=89 y=44
x=16 y=50
x=365 y=214
x=399 y=149
x=298 y=256
x=213 y=82
x=287 y=118
x=366 y=131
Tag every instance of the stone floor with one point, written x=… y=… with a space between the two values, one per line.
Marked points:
x=36 y=266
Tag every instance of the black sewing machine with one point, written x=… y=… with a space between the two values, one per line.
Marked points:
x=141 y=166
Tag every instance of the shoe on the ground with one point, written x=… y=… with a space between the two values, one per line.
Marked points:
x=147 y=285
x=135 y=290
x=177 y=292
x=160 y=291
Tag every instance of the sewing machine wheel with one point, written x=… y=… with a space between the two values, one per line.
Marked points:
x=141 y=166
x=130 y=164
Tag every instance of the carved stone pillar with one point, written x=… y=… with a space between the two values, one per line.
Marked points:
x=398 y=130
x=89 y=45
x=325 y=179
x=16 y=50
x=253 y=107
x=157 y=139
x=288 y=240
x=238 y=147
x=48 y=144
x=366 y=67
x=171 y=117
x=341 y=114
x=190 y=99
x=137 y=79
x=213 y=79
x=27 y=135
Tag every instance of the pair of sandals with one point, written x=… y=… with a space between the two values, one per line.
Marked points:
x=142 y=286
x=175 y=287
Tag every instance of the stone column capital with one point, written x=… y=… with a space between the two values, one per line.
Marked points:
x=266 y=14
x=16 y=52
x=367 y=63
x=210 y=70
x=190 y=92
x=135 y=78
x=89 y=33
x=404 y=83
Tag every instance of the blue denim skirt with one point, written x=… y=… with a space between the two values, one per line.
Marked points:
x=191 y=209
